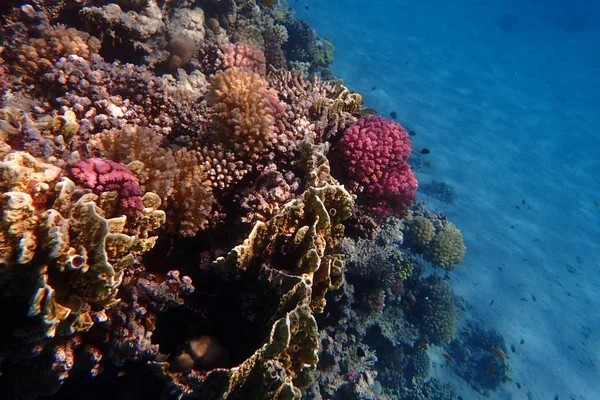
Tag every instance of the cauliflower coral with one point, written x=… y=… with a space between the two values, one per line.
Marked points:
x=373 y=153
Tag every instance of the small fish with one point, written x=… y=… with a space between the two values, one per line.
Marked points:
x=492 y=302
x=307 y=7
x=513 y=348
x=427 y=164
x=424 y=346
x=425 y=151
x=447 y=357
x=412 y=133
x=517 y=207
x=512 y=227
x=121 y=374
x=522 y=341
x=491 y=370
x=499 y=353
x=149 y=324
x=374 y=87
x=367 y=111
x=533 y=297
x=597 y=203
x=556 y=397
x=393 y=115
x=518 y=385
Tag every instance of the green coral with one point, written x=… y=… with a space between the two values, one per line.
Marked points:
x=421 y=230
x=447 y=248
x=325 y=52
x=434 y=311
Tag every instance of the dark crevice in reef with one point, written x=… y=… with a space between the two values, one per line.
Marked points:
x=234 y=315
x=133 y=381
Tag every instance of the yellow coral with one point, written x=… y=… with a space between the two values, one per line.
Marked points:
x=447 y=248
x=421 y=230
x=310 y=226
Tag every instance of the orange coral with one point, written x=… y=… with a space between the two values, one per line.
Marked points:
x=39 y=54
x=246 y=113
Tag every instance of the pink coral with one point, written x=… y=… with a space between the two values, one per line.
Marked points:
x=373 y=153
x=104 y=176
x=244 y=56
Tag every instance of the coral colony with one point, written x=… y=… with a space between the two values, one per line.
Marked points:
x=194 y=207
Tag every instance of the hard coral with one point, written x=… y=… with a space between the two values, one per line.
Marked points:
x=447 y=248
x=244 y=56
x=104 y=176
x=373 y=154
x=38 y=55
x=246 y=112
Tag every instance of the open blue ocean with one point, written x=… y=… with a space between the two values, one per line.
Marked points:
x=505 y=94
x=300 y=199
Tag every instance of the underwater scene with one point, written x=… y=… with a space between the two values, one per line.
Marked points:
x=300 y=199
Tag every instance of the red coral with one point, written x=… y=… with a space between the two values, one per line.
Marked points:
x=104 y=176
x=373 y=153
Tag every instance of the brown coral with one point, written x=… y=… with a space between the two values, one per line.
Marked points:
x=38 y=55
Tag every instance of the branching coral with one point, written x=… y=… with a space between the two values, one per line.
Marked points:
x=182 y=178
x=104 y=176
x=373 y=154
x=246 y=112
x=36 y=56
x=244 y=56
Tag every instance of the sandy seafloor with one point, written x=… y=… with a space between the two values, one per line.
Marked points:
x=508 y=116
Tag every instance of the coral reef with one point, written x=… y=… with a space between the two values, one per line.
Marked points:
x=171 y=225
x=245 y=112
x=481 y=357
x=105 y=176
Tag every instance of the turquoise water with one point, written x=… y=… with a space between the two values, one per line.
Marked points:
x=506 y=96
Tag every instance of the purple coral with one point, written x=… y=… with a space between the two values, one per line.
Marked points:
x=104 y=176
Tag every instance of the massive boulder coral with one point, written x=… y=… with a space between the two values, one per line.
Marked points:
x=447 y=248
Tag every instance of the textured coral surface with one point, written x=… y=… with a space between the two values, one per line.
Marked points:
x=171 y=225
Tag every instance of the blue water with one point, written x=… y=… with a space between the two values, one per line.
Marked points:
x=506 y=95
